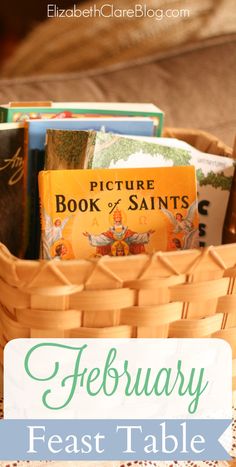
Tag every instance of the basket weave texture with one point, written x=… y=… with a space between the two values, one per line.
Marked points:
x=175 y=294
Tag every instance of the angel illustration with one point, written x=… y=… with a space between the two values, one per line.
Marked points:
x=52 y=232
x=185 y=225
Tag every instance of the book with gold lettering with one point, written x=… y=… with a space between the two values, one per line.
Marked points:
x=12 y=136
x=117 y=212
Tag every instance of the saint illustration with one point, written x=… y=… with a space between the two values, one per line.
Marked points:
x=62 y=250
x=185 y=225
x=176 y=244
x=52 y=233
x=119 y=240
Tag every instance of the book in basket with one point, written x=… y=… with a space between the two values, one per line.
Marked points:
x=12 y=137
x=117 y=212
x=21 y=111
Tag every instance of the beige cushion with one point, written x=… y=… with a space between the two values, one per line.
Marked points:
x=72 y=44
x=196 y=87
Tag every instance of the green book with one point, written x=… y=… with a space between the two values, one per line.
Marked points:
x=108 y=150
x=21 y=111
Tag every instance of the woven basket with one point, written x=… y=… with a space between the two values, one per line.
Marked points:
x=174 y=294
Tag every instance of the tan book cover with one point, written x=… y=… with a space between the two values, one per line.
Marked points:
x=117 y=212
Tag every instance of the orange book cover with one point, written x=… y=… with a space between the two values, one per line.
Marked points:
x=117 y=212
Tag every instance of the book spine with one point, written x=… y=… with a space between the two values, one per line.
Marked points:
x=41 y=180
x=66 y=149
x=26 y=195
x=159 y=126
x=90 y=149
x=33 y=224
x=11 y=188
x=40 y=167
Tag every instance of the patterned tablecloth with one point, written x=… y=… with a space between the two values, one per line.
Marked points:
x=124 y=464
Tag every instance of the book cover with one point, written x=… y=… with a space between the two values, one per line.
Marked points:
x=116 y=151
x=89 y=213
x=17 y=111
x=123 y=125
x=12 y=194
x=214 y=173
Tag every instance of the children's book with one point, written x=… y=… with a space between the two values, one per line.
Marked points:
x=21 y=111
x=11 y=185
x=121 y=212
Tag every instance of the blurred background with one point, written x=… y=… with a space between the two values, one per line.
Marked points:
x=17 y=19
x=184 y=63
x=31 y=42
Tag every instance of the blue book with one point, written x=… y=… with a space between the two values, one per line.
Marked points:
x=136 y=126
x=142 y=126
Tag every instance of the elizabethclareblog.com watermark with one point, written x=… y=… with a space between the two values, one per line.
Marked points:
x=108 y=10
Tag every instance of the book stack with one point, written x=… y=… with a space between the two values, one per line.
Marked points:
x=104 y=182
x=24 y=111
x=37 y=117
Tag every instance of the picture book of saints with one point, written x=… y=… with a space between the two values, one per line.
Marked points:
x=117 y=212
